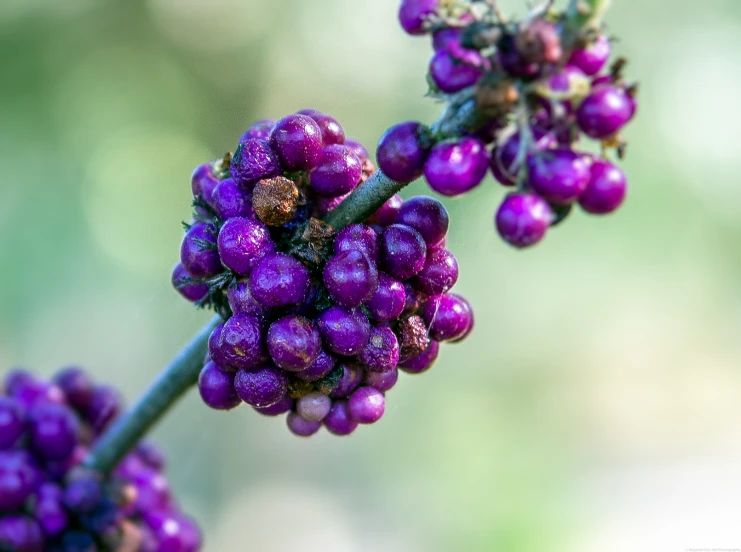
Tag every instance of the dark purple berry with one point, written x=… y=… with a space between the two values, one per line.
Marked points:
x=389 y=299
x=217 y=388
x=241 y=300
x=403 y=251
x=321 y=367
x=262 y=387
x=18 y=478
x=402 y=151
x=337 y=172
x=339 y=421
x=230 y=200
x=348 y=382
x=332 y=132
x=240 y=343
x=448 y=317
x=442 y=38
x=513 y=62
x=294 y=343
x=593 y=57
x=192 y=292
x=12 y=422
x=104 y=407
x=204 y=180
x=20 y=533
x=259 y=129
x=559 y=176
x=242 y=243
x=198 y=251
x=454 y=168
x=254 y=160
x=300 y=426
x=606 y=190
x=451 y=74
x=423 y=361
x=76 y=385
x=383 y=381
x=523 y=219
x=49 y=510
x=439 y=274
x=366 y=405
x=298 y=141
x=381 y=352
x=505 y=162
x=414 y=299
x=313 y=406
x=414 y=13
x=387 y=213
x=279 y=280
x=151 y=455
x=605 y=111
x=359 y=237
x=345 y=331
x=427 y=216
x=281 y=407
x=53 y=430
x=351 y=278
x=82 y=494
x=358 y=149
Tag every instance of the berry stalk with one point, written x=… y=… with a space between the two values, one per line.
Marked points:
x=177 y=378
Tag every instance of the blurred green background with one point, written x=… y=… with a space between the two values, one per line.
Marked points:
x=595 y=407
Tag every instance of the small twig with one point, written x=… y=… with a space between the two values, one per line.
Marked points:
x=494 y=6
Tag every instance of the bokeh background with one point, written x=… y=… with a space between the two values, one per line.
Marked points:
x=595 y=407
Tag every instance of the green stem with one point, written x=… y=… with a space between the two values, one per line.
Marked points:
x=174 y=381
x=586 y=13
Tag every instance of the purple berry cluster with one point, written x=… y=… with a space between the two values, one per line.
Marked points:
x=539 y=86
x=50 y=503
x=317 y=322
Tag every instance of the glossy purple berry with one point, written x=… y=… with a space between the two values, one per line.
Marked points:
x=447 y=316
x=217 y=388
x=439 y=274
x=53 y=430
x=505 y=163
x=351 y=377
x=281 y=407
x=351 y=278
x=337 y=172
x=76 y=385
x=387 y=213
x=402 y=151
x=254 y=160
x=454 y=168
x=414 y=13
x=198 y=251
x=345 y=331
x=300 y=426
x=389 y=299
x=18 y=478
x=560 y=176
x=605 y=111
x=366 y=405
x=322 y=366
x=313 y=406
x=427 y=216
x=298 y=141
x=523 y=219
x=242 y=243
x=423 y=361
x=259 y=129
x=357 y=148
x=203 y=181
x=383 y=381
x=262 y=387
x=359 y=237
x=104 y=407
x=332 y=132
x=240 y=343
x=230 y=200
x=241 y=300
x=593 y=57
x=381 y=352
x=339 y=421
x=192 y=292
x=403 y=251
x=174 y=532
x=279 y=280
x=451 y=74
x=606 y=190
x=294 y=343
x=12 y=422
x=20 y=533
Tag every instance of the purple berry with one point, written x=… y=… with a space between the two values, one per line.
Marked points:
x=321 y=367
x=281 y=407
x=337 y=172
x=359 y=237
x=302 y=427
x=403 y=251
x=332 y=132
x=294 y=343
x=19 y=533
x=339 y=421
x=442 y=38
x=414 y=13
x=151 y=455
x=451 y=74
x=240 y=343
x=192 y=292
x=448 y=316
x=262 y=387
x=53 y=431
x=254 y=160
x=345 y=331
x=454 y=168
x=259 y=129
x=389 y=299
x=350 y=379
x=351 y=278
x=402 y=151
x=559 y=176
x=229 y=200
x=605 y=111
x=198 y=251
x=383 y=381
x=505 y=163
x=513 y=62
x=12 y=422
x=279 y=280
x=423 y=361
x=357 y=148
x=381 y=353
x=204 y=180
x=217 y=388
x=18 y=478
x=241 y=300
x=523 y=219
x=104 y=407
x=592 y=58
x=242 y=243
x=439 y=274
x=174 y=532
x=49 y=510
x=387 y=213
x=81 y=495
x=29 y=391
x=323 y=205
x=606 y=189
x=298 y=141
x=366 y=405
x=427 y=216
x=313 y=406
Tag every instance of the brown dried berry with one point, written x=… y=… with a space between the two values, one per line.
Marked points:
x=539 y=42
x=275 y=200
x=413 y=337
x=496 y=98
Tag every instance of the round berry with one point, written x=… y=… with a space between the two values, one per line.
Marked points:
x=294 y=343
x=322 y=366
x=198 y=251
x=262 y=387
x=49 y=511
x=313 y=406
x=281 y=407
x=254 y=160
x=381 y=352
x=76 y=385
x=351 y=278
x=53 y=431
x=298 y=141
x=332 y=132
x=605 y=111
x=454 y=168
x=279 y=280
x=345 y=331
x=217 y=388
x=383 y=381
x=337 y=173
x=358 y=149
x=17 y=479
x=348 y=382
x=229 y=200
x=448 y=317
x=523 y=219
x=339 y=421
x=413 y=14
x=359 y=237
x=387 y=213
x=12 y=422
x=403 y=251
x=275 y=200
x=427 y=216
x=259 y=129
x=20 y=533
x=240 y=343
x=173 y=532
x=606 y=190
x=242 y=243
x=302 y=427
x=439 y=274
x=402 y=151
x=191 y=291
x=366 y=405
x=423 y=361
x=204 y=180
x=505 y=162
x=512 y=60
x=389 y=299
x=241 y=300
x=82 y=494
x=559 y=176
x=104 y=407
x=442 y=38
x=593 y=57
x=452 y=75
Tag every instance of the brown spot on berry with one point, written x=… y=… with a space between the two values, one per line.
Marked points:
x=413 y=337
x=275 y=200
